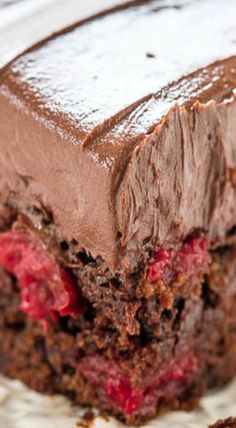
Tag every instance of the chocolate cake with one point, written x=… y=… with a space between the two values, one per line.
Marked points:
x=118 y=208
x=225 y=423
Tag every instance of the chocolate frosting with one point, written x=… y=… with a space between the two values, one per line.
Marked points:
x=123 y=127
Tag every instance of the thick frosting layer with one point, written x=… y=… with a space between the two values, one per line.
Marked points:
x=121 y=128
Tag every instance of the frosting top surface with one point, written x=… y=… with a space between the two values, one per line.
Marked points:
x=100 y=67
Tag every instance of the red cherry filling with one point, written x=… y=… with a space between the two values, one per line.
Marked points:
x=191 y=259
x=47 y=290
x=110 y=380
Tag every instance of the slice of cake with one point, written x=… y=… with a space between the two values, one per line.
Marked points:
x=118 y=208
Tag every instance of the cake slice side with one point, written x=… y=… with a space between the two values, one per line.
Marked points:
x=117 y=221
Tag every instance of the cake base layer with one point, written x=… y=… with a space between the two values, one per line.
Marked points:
x=198 y=350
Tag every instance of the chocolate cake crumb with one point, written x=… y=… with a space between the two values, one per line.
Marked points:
x=225 y=423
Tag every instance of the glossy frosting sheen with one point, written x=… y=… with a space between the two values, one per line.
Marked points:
x=87 y=104
x=95 y=70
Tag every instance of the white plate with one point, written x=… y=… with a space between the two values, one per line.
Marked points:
x=23 y=408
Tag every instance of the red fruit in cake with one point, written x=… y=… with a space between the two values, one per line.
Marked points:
x=47 y=290
x=191 y=259
x=109 y=378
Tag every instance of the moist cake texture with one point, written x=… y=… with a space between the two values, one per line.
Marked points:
x=225 y=423
x=118 y=207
